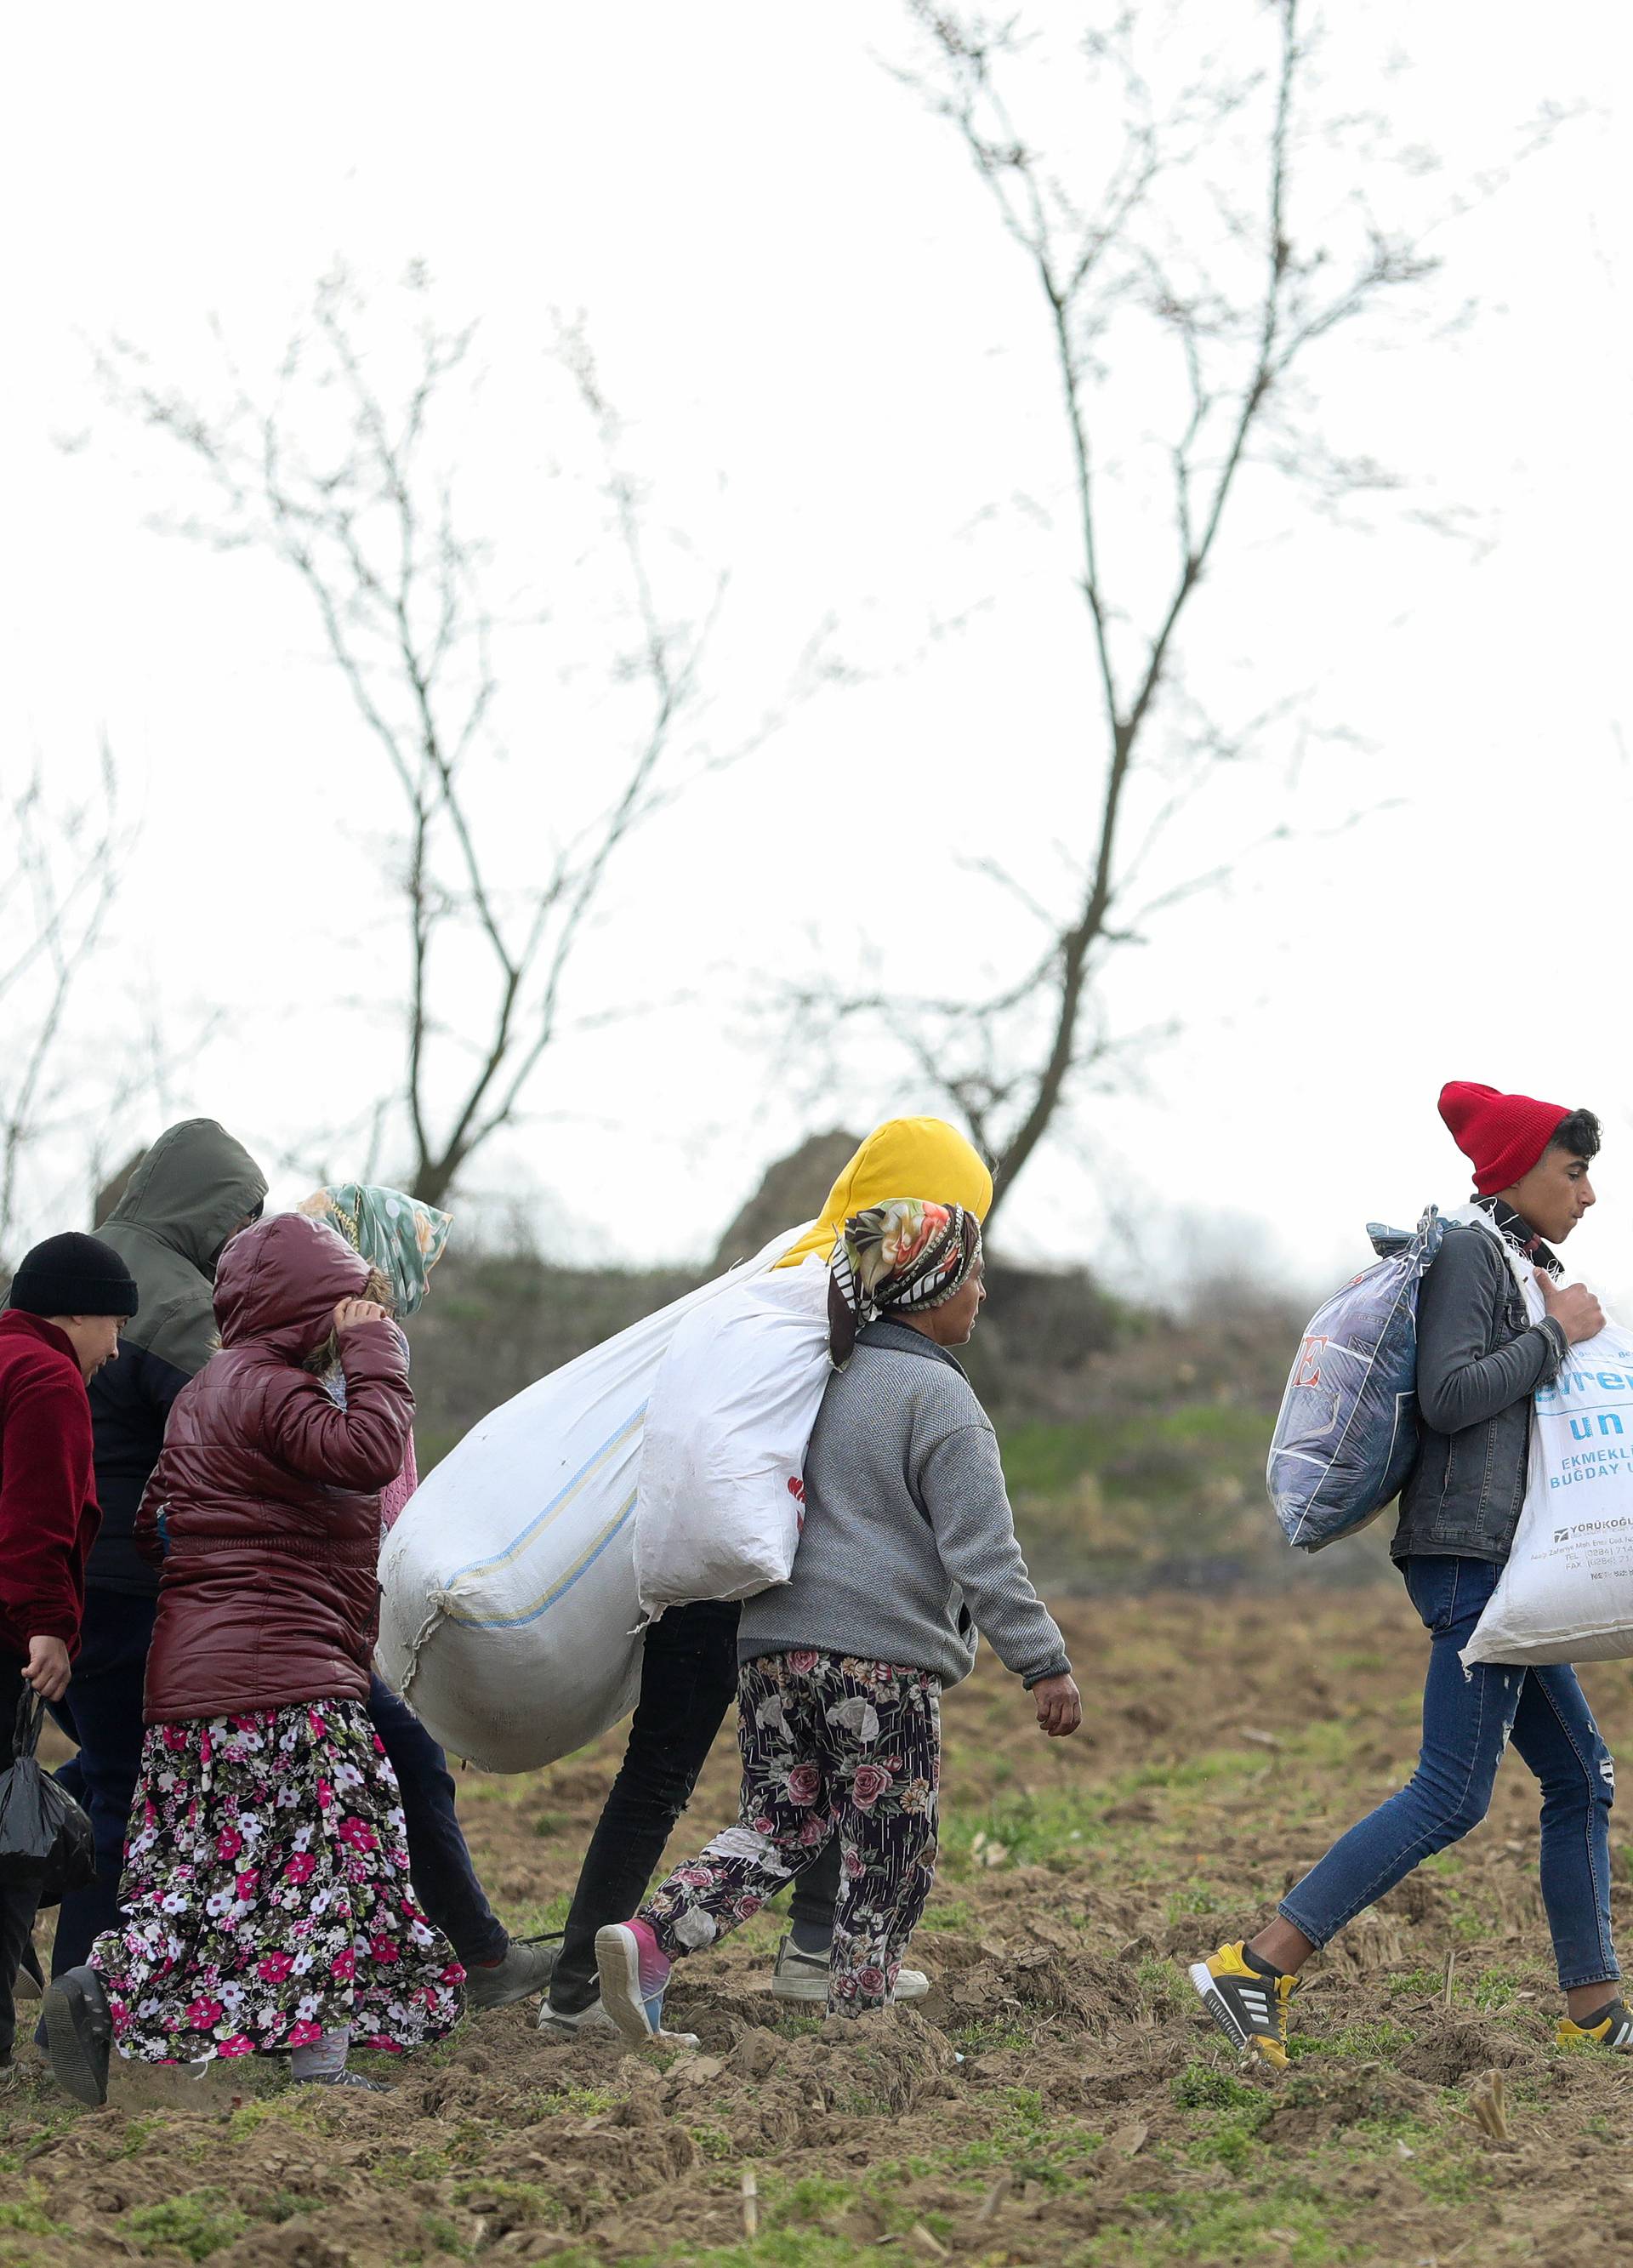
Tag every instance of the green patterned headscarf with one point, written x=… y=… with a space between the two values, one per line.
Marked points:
x=393 y=1232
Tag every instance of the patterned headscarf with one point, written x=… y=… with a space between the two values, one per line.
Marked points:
x=393 y=1231
x=904 y=1255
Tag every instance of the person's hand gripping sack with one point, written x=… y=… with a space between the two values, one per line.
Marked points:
x=1572 y=1307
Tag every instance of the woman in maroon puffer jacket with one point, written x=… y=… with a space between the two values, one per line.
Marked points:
x=266 y=1893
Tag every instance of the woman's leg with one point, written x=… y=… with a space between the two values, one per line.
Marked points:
x=886 y=1774
x=785 y=1819
x=1555 y=1732
x=785 y=1816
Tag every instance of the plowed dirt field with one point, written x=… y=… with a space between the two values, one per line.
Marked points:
x=1094 y=2117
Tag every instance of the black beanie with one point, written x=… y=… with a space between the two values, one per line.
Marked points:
x=74 y=1275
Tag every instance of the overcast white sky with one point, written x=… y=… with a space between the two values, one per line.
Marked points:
x=835 y=378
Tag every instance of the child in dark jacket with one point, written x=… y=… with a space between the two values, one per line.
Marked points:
x=267 y=1901
x=68 y=1300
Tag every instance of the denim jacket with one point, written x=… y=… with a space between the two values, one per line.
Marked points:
x=1479 y=1363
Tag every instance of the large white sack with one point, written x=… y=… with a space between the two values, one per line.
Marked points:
x=720 y=1502
x=1566 y=1593
x=509 y=1618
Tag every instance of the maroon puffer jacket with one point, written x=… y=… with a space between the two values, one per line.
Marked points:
x=270 y=1492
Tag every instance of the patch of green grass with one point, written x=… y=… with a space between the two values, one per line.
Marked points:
x=947 y=1913
x=27 y=2215
x=1367 y=2042
x=196 y=2223
x=551 y=1823
x=1127 y=1454
x=813 y=2196
x=1204 y=2087
x=524 y=2201
x=1196 y=1898
x=1030 y=1828
x=1224 y=2222
x=1415 y=1981
x=987 y=2033
x=444 y=2237
x=574 y=2101
x=1163 y=1984
x=291 y=2108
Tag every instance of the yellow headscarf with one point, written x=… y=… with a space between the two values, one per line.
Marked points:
x=903 y=1157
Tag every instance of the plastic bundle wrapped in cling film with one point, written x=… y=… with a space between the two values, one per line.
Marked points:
x=1346 y=1435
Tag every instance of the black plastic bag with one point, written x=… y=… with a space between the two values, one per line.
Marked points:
x=45 y=1838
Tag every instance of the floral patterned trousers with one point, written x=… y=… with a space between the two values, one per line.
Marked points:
x=831 y=1745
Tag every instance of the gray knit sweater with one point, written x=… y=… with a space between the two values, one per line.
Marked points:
x=908 y=1545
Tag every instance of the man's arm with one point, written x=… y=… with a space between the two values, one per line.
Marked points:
x=1459 y=1384
x=45 y=1481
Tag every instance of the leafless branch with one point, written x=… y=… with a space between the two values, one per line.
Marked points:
x=1225 y=278
x=344 y=476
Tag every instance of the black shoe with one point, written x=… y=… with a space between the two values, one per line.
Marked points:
x=343 y=2079
x=80 y=2034
x=31 y=1982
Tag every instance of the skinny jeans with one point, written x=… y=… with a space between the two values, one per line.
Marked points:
x=1469 y=1719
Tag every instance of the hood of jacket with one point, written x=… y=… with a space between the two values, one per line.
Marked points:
x=278 y=1283
x=192 y=1188
x=903 y=1157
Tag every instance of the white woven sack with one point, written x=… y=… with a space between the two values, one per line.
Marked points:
x=1566 y=1593
x=722 y=1487
x=509 y=1618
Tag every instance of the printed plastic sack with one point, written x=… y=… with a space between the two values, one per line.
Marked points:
x=1347 y=1434
x=509 y=1619
x=719 y=1507
x=1566 y=1593
x=45 y=1840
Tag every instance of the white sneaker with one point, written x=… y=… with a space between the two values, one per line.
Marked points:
x=563 y=2024
x=593 y=2022
x=799 y=1976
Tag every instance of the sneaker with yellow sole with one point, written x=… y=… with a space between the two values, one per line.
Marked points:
x=1248 y=2005
x=1611 y=2028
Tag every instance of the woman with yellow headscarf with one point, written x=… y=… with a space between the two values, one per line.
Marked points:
x=689 y=1676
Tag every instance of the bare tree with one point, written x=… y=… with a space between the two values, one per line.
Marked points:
x=1215 y=235
x=63 y=863
x=346 y=478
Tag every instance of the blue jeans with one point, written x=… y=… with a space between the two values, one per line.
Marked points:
x=1468 y=1722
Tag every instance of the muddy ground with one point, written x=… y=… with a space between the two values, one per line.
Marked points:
x=1095 y=2118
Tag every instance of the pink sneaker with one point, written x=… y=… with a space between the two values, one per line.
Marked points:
x=634 y=1972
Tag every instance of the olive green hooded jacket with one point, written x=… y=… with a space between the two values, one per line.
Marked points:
x=193 y=1188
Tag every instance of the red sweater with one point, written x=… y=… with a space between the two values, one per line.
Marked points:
x=48 y=1511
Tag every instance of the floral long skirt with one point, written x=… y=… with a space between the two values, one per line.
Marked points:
x=831 y=1745
x=266 y=1895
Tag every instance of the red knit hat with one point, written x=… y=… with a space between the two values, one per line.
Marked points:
x=1503 y=1135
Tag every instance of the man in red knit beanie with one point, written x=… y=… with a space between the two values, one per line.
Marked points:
x=1480 y=1362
